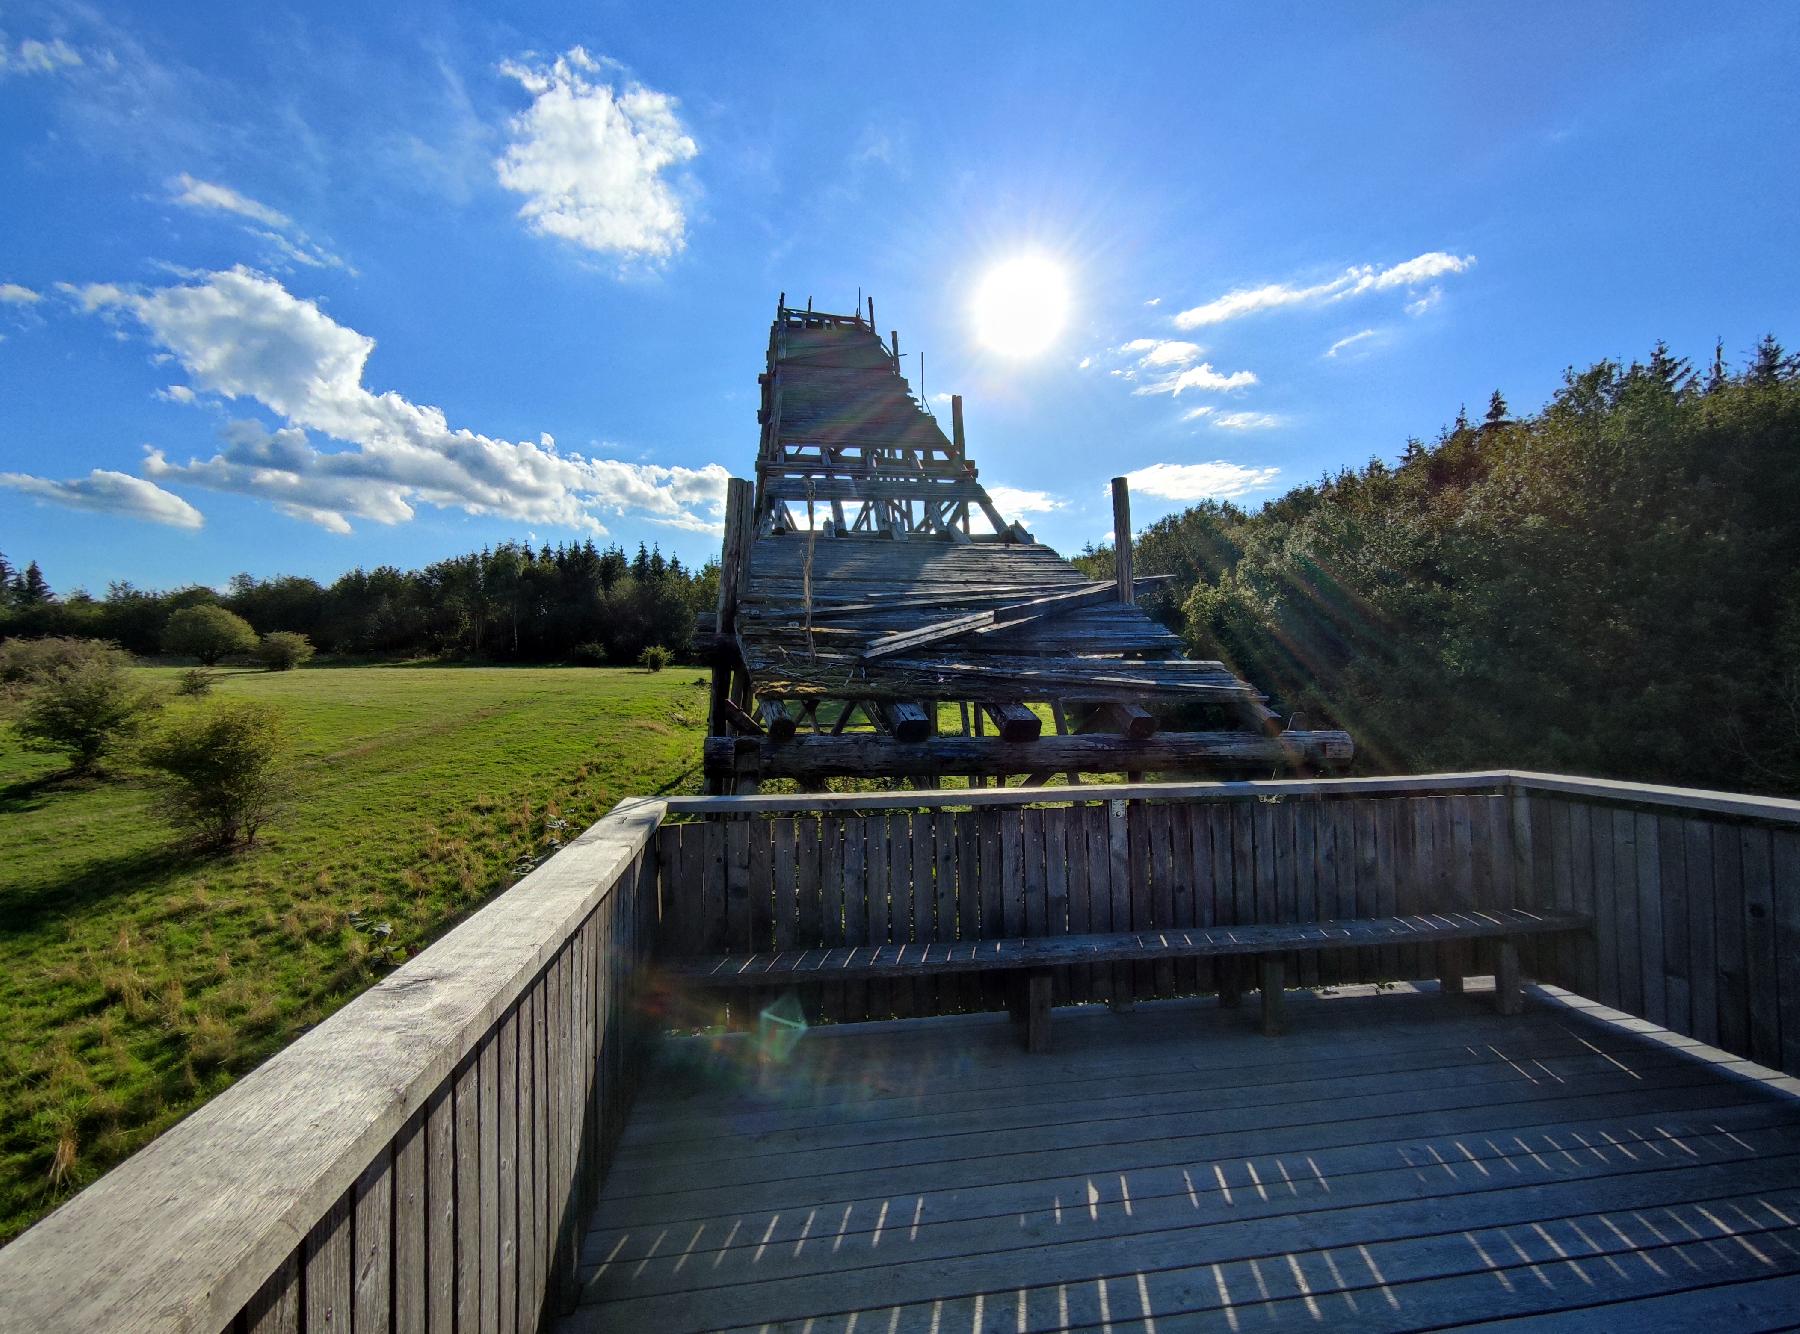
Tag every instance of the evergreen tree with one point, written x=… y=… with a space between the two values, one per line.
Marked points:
x=30 y=589
x=1496 y=412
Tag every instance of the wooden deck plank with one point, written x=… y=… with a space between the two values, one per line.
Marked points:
x=1397 y=1130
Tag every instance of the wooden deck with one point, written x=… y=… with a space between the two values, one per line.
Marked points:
x=1399 y=1161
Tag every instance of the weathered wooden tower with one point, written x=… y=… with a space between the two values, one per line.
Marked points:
x=868 y=580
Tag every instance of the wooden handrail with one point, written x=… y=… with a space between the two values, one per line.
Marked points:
x=182 y=1235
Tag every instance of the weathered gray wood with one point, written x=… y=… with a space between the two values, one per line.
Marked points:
x=275 y=1309
x=440 y=1199
x=411 y=1259
x=326 y=1272
x=1650 y=918
x=1785 y=862
x=506 y=1238
x=1121 y=506
x=229 y=1188
x=1037 y=1011
x=905 y=720
x=488 y=1167
x=1703 y=959
x=1762 y=975
x=1509 y=994
x=372 y=1240
x=1271 y=981
x=468 y=1193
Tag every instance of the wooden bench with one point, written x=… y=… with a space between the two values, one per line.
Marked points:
x=1036 y=956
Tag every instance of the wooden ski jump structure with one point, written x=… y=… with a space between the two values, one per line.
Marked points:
x=868 y=578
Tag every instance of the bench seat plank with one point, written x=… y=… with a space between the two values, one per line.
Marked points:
x=965 y=956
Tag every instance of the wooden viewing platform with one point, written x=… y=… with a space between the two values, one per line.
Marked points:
x=525 y=1123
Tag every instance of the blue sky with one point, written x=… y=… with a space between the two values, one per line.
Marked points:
x=293 y=290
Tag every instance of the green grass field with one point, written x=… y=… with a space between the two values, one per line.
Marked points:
x=137 y=980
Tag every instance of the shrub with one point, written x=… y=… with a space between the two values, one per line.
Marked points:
x=588 y=655
x=283 y=650
x=25 y=661
x=220 y=771
x=87 y=708
x=196 y=681
x=655 y=658
x=207 y=633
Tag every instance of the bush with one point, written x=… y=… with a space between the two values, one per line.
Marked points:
x=207 y=633
x=588 y=655
x=196 y=681
x=28 y=661
x=283 y=650
x=87 y=708
x=655 y=658
x=219 y=768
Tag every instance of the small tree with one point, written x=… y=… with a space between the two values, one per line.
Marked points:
x=283 y=650
x=207 y=633
x=196 y=681
x=88 y=708
x=220 y=771
x=655 y=658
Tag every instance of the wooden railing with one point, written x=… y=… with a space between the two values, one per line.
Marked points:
x=421 y=1160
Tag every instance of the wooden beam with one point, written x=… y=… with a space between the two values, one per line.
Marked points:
x=1129 y=720
x=1121 y=498
x=1016 y=722
x=991 y=621
x=866 y=755
x=905 y=720
x=738 y=717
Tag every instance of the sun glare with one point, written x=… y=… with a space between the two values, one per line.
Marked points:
x=1021 y=306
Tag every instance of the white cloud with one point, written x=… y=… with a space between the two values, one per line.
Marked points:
x=1350 y=341
x=285 y=239
x=591 y=159
x=1218 y=480
x=110 y=493
x=194 y=193
x=1353 y=281
x=176 y=393
x=242 y=335
x=31 y=56
x=1014 y=501
x=1246 y=421
x=1202 y=376
x=940 y=397
x=1084 y=363
x=1426 y=302
x=1169 y=352
x=1154 y=301
x=1195 y=414
x=16 y=294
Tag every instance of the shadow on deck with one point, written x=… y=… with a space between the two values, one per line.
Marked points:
x=1399 y=1161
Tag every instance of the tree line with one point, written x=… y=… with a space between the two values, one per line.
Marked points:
x=512 y=603
x=1610 y=586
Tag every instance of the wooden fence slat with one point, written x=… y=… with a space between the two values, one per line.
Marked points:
x=531 y=1290
x=506 y=1242
x=1671 y=860
x=1191 y=856
x=900 y=903
x=489 y=1067
x=468 y=1193
x=947 y=994
x=372 y=1242
x=1733 y=998
x=1303 y=816
x=1417 y=850
x=326 y=1269
x=1606 y=913
x=410 y=1259
x=833 y=999
x=440 y=1201
x=968 y=901
x=1081 y=980
x=856 y=908
x=275 y=1309
x=786 y=925
x=1761 y=963
x=1703 y=959
x=878 y=869
x=1159 y=855
x=1651 y=946
x=1785 y=876
x=1628 y=952
x=1118 y=879
x=1056 y=892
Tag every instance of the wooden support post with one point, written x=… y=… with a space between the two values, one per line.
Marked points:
x=1450 y=968
x=1037 y=1012
x=1121 y=496
x=956 y=424
x=1231 y=983
x=1273 y=983
x=1132 y=720
x=735 y=714
x=1509 y=989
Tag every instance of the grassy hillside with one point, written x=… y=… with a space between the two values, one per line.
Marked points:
x=136 y=980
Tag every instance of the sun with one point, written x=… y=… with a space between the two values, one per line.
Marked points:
x=1021 y=306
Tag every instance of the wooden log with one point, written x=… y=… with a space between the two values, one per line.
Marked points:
x=1121 y=500
x=772 y=714
x=735 y=714
x=1017 y=724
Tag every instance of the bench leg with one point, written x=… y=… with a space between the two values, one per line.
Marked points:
x=1509 y=988
x=1450 y=968
x=1231 y=983
x=1037 y=1012
x=1273 y=983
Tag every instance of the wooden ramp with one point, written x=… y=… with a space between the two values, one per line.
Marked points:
x=869 y=586
x=1400 y=1161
